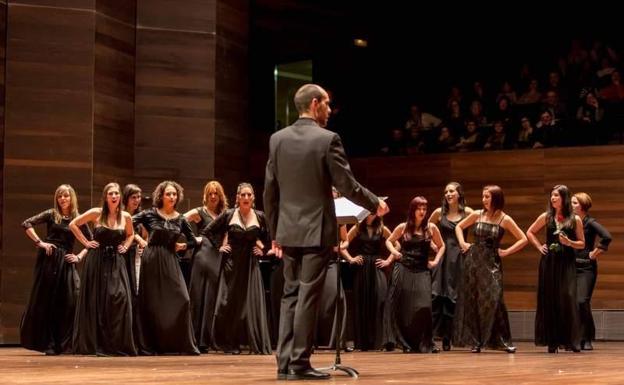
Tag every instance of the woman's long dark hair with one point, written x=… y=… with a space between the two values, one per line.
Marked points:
x=497 y=201
x=128 y=191
x=461 y=200
x=105 y=209
x=566 y=206
x=410 y=226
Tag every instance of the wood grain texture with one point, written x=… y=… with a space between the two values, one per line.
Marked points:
x=232 y=160
x=48 y=132
x=526 y=178
x=113 y=120
x=531 y=365
x=174 y=94
x=3 y=25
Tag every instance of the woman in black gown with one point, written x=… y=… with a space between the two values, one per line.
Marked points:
x=407 y=319
x=447 y=275
x=587 y=265
x=328 y=318
x=132 y=205
x=481 y=315
x=240 y=312
x=163 y=307
x=206 y=263
x=103 y=323
x=48 y=322
x=557 y=314
x=370 y=285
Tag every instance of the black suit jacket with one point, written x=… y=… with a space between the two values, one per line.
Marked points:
x=305 y=160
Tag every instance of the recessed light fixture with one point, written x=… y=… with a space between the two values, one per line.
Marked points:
x=363 y=43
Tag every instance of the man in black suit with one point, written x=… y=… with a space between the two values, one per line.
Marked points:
x=305 y=160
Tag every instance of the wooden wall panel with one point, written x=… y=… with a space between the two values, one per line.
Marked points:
x=526 y=178
x=113 y=126
x=174 y=95
x=232 y=97
x=3 y=15
x=48 y=132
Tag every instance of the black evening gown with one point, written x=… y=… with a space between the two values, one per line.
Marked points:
x=481 y=315
x=445 y=281
x=586 y=274
x=163 y=313
x=103 y=323
x=204 y=283
x=48 y=321
x=276 y=291
x=130 y=258
x=327 y=317
x=370 y=288
x=557 y=316
x=407 y=320
x=240 y=317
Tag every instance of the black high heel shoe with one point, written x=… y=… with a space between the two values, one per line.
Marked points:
x=553 y=349
x=446 y=344
x=587 y=345
x=475 y=349
x=435 y=349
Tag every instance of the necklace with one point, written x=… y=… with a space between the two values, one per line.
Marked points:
x=242 y=219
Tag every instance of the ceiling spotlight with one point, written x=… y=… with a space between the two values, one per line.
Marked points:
x=360 y=43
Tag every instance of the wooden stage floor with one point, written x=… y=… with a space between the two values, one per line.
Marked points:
x=530 y=365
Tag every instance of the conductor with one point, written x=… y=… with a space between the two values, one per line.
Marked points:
x=305 y=160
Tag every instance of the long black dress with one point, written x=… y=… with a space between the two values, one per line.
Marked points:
x=445 y=281
x=586 y=274
x=557 y=315
x=370 y=287
x=204 y=282
x=130 y=257
x=48 y=321
x=163 y=313
x=103 y=323
x=240 y=311
x=327 y=317
x=481 y=315
x=407 y=320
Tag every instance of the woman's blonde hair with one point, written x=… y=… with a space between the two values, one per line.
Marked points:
x=73 y=203
x=223 y=202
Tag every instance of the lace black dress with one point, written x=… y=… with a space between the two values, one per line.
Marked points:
x=163 y=313
x=370 y=288
x=481 y=315
x=557 y=316
x=407 y=320
x=445 y=281
x=48 y=321
x=204 y=282
x=240 y=317
x=103 y=323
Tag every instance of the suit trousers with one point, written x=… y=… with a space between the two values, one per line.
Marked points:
x=304 y=274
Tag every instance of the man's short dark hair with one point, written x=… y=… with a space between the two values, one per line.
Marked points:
x=305 y=94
